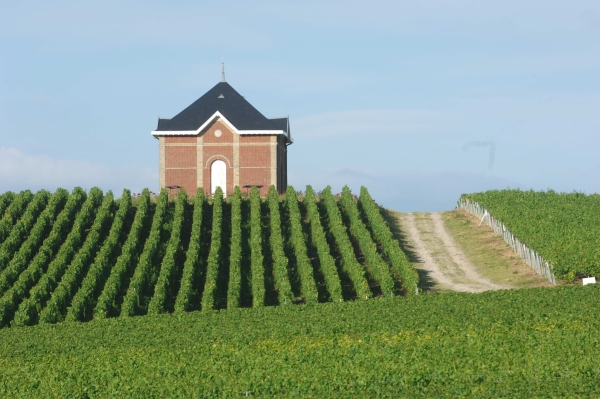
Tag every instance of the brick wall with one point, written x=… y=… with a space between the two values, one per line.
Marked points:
x=180 y=162
x=187 y=160
x=255 y=162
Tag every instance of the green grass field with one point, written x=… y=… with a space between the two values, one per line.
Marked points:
x=540 y=342
x=250 y=297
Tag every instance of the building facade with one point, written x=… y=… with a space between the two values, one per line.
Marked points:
x=221 y=140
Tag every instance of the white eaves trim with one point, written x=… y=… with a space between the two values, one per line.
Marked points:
x=216 y=115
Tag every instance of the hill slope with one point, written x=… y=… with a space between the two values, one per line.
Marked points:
x=564 y=228
x=510 y=343
x=82 y=256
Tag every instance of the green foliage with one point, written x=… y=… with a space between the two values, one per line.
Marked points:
x=22 y=228
x=235 y=257
x=21 y=259
x=280 y=261
x=563 y=228
x=332 y=279
x=256 y=255
x=212 y=265
x=355 y=270
x=13 y=213
x=29 y=310
x=305 y=270
x=188 y=292
x=167 y=279
x=391 y=248
x=136 y=299
x=85 y=299
x=80 y=257
x=530 y=343
x=5 y=201
x=109 y=302
x=41 y=258
x=56 y=307
x=377 y=265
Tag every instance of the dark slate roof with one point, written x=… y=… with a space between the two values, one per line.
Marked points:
x=281 y=123
x=229 y=103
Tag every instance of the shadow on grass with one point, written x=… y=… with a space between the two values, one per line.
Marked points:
x=426 y=283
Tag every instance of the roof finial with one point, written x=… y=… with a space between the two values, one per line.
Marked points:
x=222 y=70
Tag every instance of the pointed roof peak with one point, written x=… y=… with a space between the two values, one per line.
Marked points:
x=236 y=109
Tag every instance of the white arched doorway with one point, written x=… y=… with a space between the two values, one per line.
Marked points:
x=218 y=176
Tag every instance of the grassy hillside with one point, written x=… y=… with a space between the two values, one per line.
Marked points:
x=84 y=256
x=563 y=228
x=520 y=343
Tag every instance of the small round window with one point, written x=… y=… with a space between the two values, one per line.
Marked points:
x=218 y=133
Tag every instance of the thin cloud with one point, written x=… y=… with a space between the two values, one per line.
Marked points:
x=366 y=122
x=20 y=171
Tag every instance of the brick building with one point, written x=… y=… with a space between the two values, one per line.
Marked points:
x=222 y=140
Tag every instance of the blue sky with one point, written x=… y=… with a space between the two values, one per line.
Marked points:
x=419 y=101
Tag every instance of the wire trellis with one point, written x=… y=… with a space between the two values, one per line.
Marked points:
x=531 y=257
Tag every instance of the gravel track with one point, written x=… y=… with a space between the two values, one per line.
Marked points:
x=441 y=256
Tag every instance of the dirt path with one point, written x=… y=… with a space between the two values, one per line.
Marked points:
x=440 y=256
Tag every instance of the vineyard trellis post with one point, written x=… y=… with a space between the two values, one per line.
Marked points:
x=531 y=257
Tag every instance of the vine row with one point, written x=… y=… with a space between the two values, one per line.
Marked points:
x=332 y=278
x=188 y=292
x=391 y=248
x=55 y=309
x=212 y=265
x=85 y=299
x=305 y=270
x=135 y=301
x=29 y=310
x=166 y=283
x=110 y=300
x=235 y=257
x=378 y=267
x=256 y=256
x=280 y=261
x=349 y=263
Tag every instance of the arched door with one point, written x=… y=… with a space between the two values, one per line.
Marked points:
x=218 y=176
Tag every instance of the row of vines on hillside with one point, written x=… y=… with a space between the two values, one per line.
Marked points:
x=381 y=230
x=29 y=310
x=235 y=257
x=212 y=265
x=167 y=279
x=18 y=291
x=22 y=229
x=303 y=265
x=76 y=257
x=13 y=213
x=56 y=307
x=348 y=260
x=562 y=228
x=188 y=291
x=280 y=261
x=332 y=279
x=256 y=255
x=5 y=201
x=110 y=300
x=137 y=296
x=84 y=300
x=377 y=265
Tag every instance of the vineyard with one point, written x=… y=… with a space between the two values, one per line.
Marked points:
x=81 y=256
x=529 y=343
x=563 y=228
